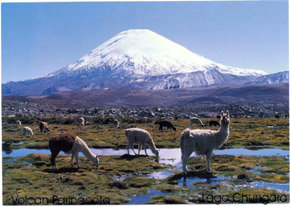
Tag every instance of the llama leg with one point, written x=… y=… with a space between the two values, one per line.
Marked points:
x=52 y=158
x=145 y=147
x=133 y=150
x=77 y=159
x=139 y=148
x=184 y=158
x=127 y=147
x=208 y=161
x=72 y=159
x=132 y=147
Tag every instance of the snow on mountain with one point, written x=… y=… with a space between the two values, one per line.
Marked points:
x=134 y=59
x=146 y=53
x=280 y=77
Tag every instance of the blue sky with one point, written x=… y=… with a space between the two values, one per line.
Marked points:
x=39 y=38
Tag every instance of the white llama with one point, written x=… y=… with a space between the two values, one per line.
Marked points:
x=142 y=138
x=70 y=144
x=196 y=120
x=27 y=131
x=80 y=121
x=203 y=142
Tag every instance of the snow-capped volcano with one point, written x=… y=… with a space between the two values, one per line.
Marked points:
x=146 y=53
x=134 y=59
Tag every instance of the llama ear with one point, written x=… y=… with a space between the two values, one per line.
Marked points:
x=228 y=114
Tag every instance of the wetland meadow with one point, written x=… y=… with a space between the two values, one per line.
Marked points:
x=252 y=166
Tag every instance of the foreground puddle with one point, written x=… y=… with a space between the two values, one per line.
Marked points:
x=226 y=180
x=189 y=182
x=143 y=199
x=268 y=185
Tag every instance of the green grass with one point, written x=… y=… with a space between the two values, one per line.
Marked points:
x=271 y=169
x=244 y=132
x=39 y=180
x=32 y=176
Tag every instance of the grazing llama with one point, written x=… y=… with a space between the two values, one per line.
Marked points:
x=142 y=138
x=70 y=144
x=80 y=121
x=196 y=120
x=203 y=142
x=163 y=123
x=27 y=131
x=43 y=126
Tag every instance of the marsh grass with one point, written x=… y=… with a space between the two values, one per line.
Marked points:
x=270 y=169
x=32 y=174
x=39 y=180
x=244 y=132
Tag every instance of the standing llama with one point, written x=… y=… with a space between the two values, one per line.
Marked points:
x=70 y=144
x=203 y=142
x=142 y=138
x=80 y=121
x=43 y=126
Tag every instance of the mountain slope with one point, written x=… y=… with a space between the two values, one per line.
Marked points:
x=280 y=77
x=275 y=93
x=134 y=59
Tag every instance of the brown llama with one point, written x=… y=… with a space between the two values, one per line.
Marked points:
x=43 y=126
x=70 y=145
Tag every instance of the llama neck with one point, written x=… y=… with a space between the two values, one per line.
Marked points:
x=152 y=147
x=224 y=132
x=86 y=150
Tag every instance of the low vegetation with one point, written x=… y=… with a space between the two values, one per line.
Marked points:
x=33 y=176
x=244 y=132
x=119 y=178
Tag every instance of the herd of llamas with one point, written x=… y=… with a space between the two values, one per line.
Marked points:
x=200 y=141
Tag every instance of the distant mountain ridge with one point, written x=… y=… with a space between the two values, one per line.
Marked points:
x=137 y=59
x=269 y=93
x=279 y=77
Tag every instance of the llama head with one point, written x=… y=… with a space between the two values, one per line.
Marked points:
x=157 y=152
x=225 y=117
x=96 y=160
